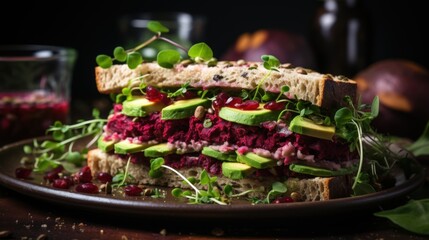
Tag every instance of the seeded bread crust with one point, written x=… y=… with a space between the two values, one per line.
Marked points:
x=315 y=189
x=321 y=89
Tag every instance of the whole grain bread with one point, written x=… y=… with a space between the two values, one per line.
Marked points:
x=314 y=189
x=321 y=89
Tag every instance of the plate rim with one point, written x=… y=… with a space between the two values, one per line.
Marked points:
x=158 y=208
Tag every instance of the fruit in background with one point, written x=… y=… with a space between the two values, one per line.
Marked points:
x=287 y=47
x=403 y=89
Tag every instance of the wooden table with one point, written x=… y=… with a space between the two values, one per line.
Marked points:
x=23 y=217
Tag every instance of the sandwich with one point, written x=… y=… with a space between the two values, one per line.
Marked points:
x=247 y=125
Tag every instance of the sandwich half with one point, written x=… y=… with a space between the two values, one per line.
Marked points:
x=248 y=126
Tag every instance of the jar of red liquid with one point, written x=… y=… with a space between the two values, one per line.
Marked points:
x=34 y=89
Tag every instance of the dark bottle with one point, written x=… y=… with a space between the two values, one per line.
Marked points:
x=341 y=37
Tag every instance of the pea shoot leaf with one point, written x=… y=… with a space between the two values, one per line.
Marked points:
x=270 y=62
x=157 y=27
x=155 y=164
x=375 y=107
x=201 y=50
x=277 y=188
x=343 y=116
x=167 y=58
x=120 y=54
x=104 y=61
x=134 y=59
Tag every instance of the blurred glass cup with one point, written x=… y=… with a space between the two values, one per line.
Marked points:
x=185 y=29
x=35 y=85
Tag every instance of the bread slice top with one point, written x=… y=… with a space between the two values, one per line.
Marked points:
x=323 y=90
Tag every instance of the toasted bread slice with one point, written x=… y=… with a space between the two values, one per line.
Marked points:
x=320 y=89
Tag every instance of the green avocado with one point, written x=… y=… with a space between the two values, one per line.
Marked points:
x=230 y=157
x=235 y=170
x=140 y=107
x=248 y=117
x=125 y=146
x=105 y=146
x=183 y=108
x=307 y=127
x=319 y=172
x=256 y=161
x=158 y=150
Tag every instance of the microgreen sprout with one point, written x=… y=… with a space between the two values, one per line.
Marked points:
x=277 y=188
x=179 y=92
x=351 y=124
x=200 y=52
x=210 y=193
x=135 y=84
x=270 y=63
x=166 y=58
x=53 y=152
x=284 y=89
x=120 y=179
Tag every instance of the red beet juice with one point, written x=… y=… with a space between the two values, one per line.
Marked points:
x=29 y=114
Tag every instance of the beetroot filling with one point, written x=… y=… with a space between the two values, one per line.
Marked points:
x=269 y=136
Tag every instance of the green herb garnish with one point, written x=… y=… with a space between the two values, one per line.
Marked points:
x=270 y=63
x=120 y=179
x=351 y=124
x=167 y=58
x=211 y=194
x=200 y=51
x=52 y=153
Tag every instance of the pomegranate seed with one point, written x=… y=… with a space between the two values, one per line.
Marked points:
x=51 y=176
x=190 y=94
x=219 y=101
x=104 y=177
x=84 y=175
x=23 y=172
x=164 y=98
x=283 y=200
x=61 y=183
x=153 y=94
x=87 y=188
x=247 y=105
x=275 y=106
x=69 y=179
x=232 y=101
x=58 y=169
x=187 y=95
x=132 y=190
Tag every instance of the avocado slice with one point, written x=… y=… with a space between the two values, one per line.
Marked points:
x=248 y=117
x=230 y=157
x=183 y=108
x=140 y=107
x=125 y=146
x=235 y=170
x=105 y=146
x=319 y=172
x=307 y=127
x=158 y=150
x=256 y=161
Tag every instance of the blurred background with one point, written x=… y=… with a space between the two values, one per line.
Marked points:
x=333 y=36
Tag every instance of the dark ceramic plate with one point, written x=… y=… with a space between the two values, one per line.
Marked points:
x=11 y=155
